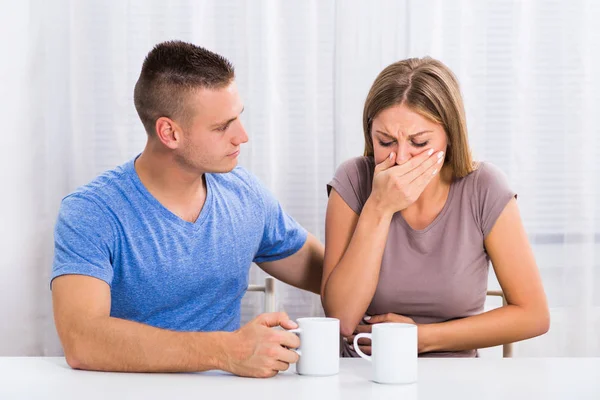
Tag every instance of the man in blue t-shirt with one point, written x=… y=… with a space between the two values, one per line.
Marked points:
x=152 y=258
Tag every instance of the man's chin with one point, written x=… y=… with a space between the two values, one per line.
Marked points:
x=225 y=168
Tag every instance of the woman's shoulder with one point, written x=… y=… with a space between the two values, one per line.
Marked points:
x=358 y=166
x=353 y=180
x=484 y=176
x=357 y=171
x=487 y=190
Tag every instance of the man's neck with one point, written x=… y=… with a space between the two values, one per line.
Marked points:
x=178 y=189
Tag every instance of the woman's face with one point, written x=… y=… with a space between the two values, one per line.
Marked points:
x=406 y=133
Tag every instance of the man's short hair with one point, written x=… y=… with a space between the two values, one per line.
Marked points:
x=171 y=71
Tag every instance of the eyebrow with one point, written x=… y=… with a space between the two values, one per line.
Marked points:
x=217 y=125
x=410 y=136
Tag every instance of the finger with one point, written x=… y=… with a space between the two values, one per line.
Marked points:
x=288 y=339
x=364 y=349
x=413 y=162
x=287 y=356
x=363 y=341
x=432 y=163
x=288 y=324
x=390 y=317
x=389 y=162
x=362 y=329
x=421 y=182
x=377 y=319
x=276 y=319
x=280 y=366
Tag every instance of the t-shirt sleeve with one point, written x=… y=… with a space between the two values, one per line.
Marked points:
x=83 y=239
x=282 y=235
x=352 y=182
x=493 y=194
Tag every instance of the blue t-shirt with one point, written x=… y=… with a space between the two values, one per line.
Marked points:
x=164 y=271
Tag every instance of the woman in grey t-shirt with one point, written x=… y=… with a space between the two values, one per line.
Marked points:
x=412 y=226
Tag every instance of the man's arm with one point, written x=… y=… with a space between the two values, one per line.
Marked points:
x=303 y=269
x=93 y=340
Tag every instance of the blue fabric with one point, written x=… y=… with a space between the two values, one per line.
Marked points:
x=164 y=271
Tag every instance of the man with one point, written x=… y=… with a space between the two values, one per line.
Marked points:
x=152 y=258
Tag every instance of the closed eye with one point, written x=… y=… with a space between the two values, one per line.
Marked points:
x=388 y=144
x=224 y=127
x=420 y=144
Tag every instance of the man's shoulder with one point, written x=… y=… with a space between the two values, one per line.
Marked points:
x=239 y=180
x=110 y=187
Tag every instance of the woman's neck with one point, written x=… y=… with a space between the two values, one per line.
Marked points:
x=435 y=193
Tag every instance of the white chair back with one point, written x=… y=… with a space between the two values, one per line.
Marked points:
x=269 y=289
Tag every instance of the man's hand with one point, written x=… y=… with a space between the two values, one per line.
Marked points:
x=257 y=350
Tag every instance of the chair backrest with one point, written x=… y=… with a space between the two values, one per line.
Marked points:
x=507 y=349
x=269 y=289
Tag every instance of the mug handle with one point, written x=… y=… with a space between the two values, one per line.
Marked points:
x=357 y=348
x=297 y=331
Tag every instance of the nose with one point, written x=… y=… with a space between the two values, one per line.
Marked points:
x=403 y=153
x=240 y=136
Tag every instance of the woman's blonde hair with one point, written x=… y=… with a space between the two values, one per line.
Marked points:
x=428 y=87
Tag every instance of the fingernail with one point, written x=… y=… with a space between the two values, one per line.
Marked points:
x=434 y=171
x=391 y=155
x=440 y=154
x=430 y=152
x=367 y=317
x=440 y=160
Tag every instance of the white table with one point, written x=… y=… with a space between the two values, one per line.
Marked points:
x=534 y=378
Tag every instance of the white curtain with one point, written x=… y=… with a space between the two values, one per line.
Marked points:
x=528 y=74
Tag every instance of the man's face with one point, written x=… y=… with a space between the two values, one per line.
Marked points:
x=212 y=137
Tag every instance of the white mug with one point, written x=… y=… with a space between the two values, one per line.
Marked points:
x=394 y=352
x=319 y=349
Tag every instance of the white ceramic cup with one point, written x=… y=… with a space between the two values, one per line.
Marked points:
x=319 y=349
x=393 y=352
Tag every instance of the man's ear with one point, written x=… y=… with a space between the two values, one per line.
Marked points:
x=168 y=132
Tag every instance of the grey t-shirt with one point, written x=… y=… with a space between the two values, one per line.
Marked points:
x=439 y=273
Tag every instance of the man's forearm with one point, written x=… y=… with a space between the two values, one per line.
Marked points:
x=112 y=344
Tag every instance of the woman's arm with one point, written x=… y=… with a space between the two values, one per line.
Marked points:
x=353 y=253
x=354 y=245
x=526 y=314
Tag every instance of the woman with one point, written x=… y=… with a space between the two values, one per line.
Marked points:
x=412 y=225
